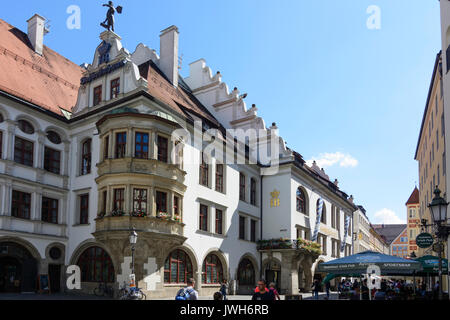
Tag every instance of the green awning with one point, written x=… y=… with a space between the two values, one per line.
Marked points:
x=430 y=265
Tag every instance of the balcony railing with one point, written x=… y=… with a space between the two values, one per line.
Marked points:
x=286 y=244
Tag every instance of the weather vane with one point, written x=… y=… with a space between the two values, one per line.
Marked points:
x=109 y=21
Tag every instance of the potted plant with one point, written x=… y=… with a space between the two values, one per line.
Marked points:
x=117 y=213
x=139 y=213
x=163 y=215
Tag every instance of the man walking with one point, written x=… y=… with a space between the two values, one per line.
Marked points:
x=188 y=293
x=262 y=293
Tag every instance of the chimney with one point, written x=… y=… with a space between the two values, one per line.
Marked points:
x=36 y=32
x=168 y=62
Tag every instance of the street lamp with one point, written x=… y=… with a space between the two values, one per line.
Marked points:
x=438 y=209
x=133 y=240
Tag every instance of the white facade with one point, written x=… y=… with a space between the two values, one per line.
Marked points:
x=263 y=220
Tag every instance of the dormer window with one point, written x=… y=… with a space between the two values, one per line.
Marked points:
x=97 y=95
x=115 y=88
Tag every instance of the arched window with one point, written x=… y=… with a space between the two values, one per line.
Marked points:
x=177 y=268
x=246 y=273
x=53 y=137
x=301 y=201
x=96 y=266
x=323 y=218
x=212 y=271
x=26 y=127
x=86 y=157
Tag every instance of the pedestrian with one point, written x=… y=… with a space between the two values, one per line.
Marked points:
x=188 y=293
x=316 y=289
x=223 y=289
x=327 y=288
x=218 y=296
x=262 y=293
x=365 y=290
x=274 y=291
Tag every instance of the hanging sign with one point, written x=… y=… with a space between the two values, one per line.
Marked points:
x=424 y=240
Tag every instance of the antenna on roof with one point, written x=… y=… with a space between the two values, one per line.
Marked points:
x=47 y=27
x=180 y=62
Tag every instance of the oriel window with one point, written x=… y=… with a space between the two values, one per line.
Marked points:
x=121 y=145
x=161 y=202
x=119 y=199
x=141 y=145
x=140 y=200
x=163 y=150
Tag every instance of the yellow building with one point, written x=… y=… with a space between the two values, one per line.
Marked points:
x=413 y=218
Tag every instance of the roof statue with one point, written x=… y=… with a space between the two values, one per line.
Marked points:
x=109 y=21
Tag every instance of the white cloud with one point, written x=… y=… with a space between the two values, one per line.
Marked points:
x=386 y=216
x=326 y=160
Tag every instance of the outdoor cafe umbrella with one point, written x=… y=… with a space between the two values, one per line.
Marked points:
x=430 y=265
x=359 y=263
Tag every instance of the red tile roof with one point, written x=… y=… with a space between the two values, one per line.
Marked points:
x=50 y=81
x=414 y=198
x=178 y=99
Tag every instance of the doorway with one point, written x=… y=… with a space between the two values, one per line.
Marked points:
x=54 y=275
x=10 y=275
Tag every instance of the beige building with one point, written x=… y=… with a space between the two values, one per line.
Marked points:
x=430 y=151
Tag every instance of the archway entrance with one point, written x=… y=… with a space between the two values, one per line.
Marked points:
x=18 y=269
x=273 y=274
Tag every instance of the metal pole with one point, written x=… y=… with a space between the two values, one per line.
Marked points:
x=132 y=259
x=440 y=271
x=448 y=268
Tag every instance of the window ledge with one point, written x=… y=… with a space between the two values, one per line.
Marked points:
x=211 y=234
x=81 y=225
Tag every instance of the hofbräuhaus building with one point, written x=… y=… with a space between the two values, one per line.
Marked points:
x=87 y=153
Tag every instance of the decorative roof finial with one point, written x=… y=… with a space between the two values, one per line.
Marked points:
x=109 y=21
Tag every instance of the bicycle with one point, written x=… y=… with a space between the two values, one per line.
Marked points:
x=127 y=293
x=103 y=290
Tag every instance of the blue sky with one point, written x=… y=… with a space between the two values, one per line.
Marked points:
x=332 y=85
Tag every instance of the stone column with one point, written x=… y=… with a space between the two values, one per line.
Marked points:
x=170 y=204
x=9 y=152
x=130 y=143
x=39 y=151
x=65 y=159
x=7 y=194
x=151 y=203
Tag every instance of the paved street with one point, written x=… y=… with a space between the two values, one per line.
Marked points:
x=306 y=296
